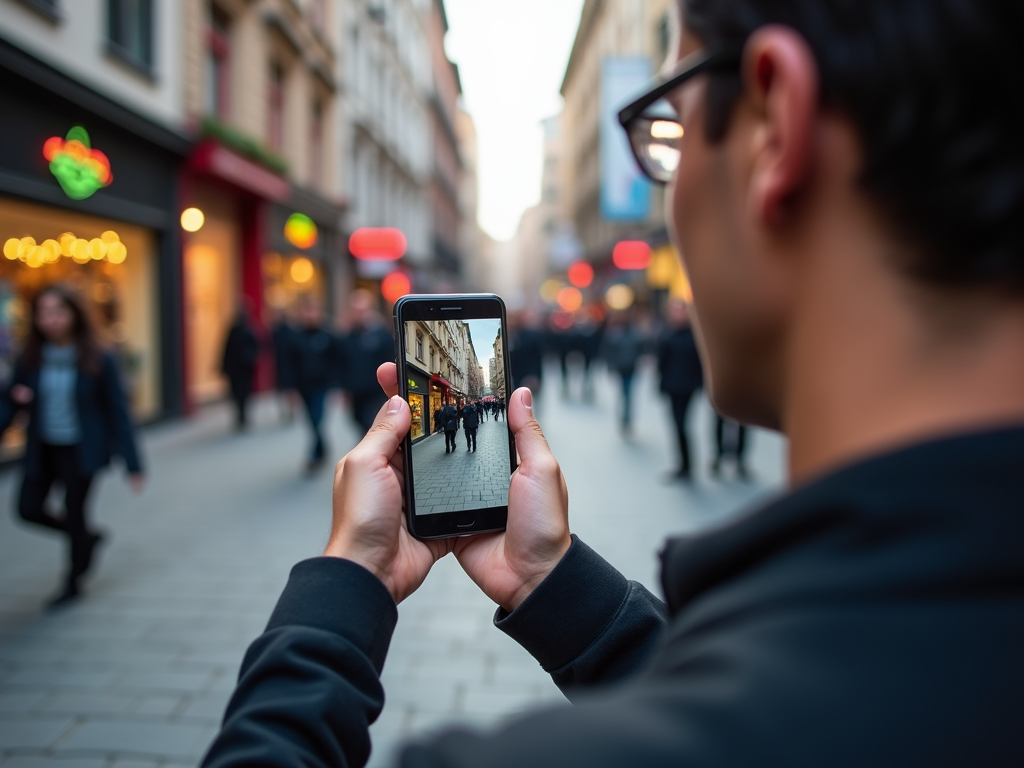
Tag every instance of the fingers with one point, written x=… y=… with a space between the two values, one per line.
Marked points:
x=531 y=444
x=388 y=430
x=387 y=377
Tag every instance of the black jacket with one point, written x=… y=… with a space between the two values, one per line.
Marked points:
x=365 y=349
x=470 y=417
x=103 y=418
x=241 y=352
x=872 y=618
x=450 y=418
x=315 y=357
x=679 y=362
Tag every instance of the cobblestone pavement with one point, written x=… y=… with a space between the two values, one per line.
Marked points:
x=137 y=675
x=452 y=482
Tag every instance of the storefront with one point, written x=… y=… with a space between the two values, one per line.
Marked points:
x=88 y=197
x=418 y=386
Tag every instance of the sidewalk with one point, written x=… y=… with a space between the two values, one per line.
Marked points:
x=138 y=673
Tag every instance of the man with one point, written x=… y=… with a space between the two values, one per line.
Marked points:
x=450 y=424
x=470 y=422
x=846 y=187
x=315 y=362
x=241 y=353
x=367 y=344
x=621 y=348
x=681 y=377
x=281 y=336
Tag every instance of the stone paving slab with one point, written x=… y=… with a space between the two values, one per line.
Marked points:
x=138 y=674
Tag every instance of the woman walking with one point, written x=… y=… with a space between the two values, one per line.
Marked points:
x=77 y=418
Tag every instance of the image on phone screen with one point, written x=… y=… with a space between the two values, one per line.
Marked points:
x=456 y=388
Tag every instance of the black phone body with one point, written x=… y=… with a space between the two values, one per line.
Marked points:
x=453 y=370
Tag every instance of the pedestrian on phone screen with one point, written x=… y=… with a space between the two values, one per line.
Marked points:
x=71 y=389
x=470 y=423
x=450 y=424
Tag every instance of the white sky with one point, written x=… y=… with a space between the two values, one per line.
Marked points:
x=511 y=56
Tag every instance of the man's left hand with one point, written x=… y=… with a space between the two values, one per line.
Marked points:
x=369 y=525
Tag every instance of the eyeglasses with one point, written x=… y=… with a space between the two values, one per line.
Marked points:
x=654 y=130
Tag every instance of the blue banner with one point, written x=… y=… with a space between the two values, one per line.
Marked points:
x=625 y=192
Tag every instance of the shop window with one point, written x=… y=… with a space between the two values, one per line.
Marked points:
x=218 y=64
x=275 y=100
x=419 y=346
x=130 y=32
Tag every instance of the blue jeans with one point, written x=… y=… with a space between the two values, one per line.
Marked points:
x=314 y=400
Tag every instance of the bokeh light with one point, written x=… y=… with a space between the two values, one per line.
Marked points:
x=570 y=299
x=549 y=290
x=631 y=254
x=581 y=274
x=378 y=244
x=395 y=286
x=11 y=248
x=192 y=219
x=619 y=297
x=302 y=270
x=300 y=231
x=79 y=169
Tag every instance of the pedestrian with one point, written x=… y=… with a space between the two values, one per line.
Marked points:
x=439 y=419
x=481 y=412
x=241 y=353
x=845 y=185
x=366 y=346
x=281 y=337
x=315 y=363
x=450 y=423
x=470 y=422
x=499 y=409
x=78 y=418
x=730 y=443
x=681 y=377
x=526 y=349
x=621 y=349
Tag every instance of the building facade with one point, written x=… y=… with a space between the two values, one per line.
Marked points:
x=442 y=367
x=385 y=131
x=92 y=144
x=261 y=91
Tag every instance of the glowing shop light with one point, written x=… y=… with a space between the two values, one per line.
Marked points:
x=581 y=274
x=79 y=169
x=619 y=297
x=107 y=246
x=302 y=270
x=378 y=244
x=300 y=231
x=395 y=286
x=631 y=254
x=192 y=219
x=570 y=299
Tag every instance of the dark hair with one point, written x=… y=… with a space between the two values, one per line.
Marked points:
x=933 y=89
x=89 y=350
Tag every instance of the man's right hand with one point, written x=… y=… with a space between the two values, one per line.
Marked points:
x=509 y=565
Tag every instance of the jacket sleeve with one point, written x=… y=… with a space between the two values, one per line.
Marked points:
x=586 y=624
x=309 y=687
x=117 y=412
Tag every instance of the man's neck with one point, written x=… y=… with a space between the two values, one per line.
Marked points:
x=875 y=364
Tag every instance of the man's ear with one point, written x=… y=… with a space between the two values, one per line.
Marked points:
x=781 y=84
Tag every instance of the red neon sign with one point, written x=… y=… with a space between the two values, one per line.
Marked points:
x=631 y=254
x=378 y=244
x=395 y=286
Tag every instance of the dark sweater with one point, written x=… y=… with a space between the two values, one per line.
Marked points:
x=875 y=617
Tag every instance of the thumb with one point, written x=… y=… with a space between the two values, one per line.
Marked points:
x=389 y=428
x=530 y=441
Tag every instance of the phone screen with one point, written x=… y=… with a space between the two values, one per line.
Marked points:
x=456 y=382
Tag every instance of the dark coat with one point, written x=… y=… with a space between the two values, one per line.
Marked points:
x=470 y=417
x=872 y=618
x=103 y=418
x=241 y=353
x=316 y=359
x=526 y=355
x=679 y=362
x=281 y=336
x=450 y=418
x=364 y=351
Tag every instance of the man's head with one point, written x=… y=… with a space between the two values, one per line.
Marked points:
x=310 y=312
x=867 y=144
x=362 y=308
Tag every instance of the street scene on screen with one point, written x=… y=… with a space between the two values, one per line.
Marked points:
x=455 y=377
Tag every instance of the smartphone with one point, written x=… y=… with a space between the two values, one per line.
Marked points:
x=453 y=369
